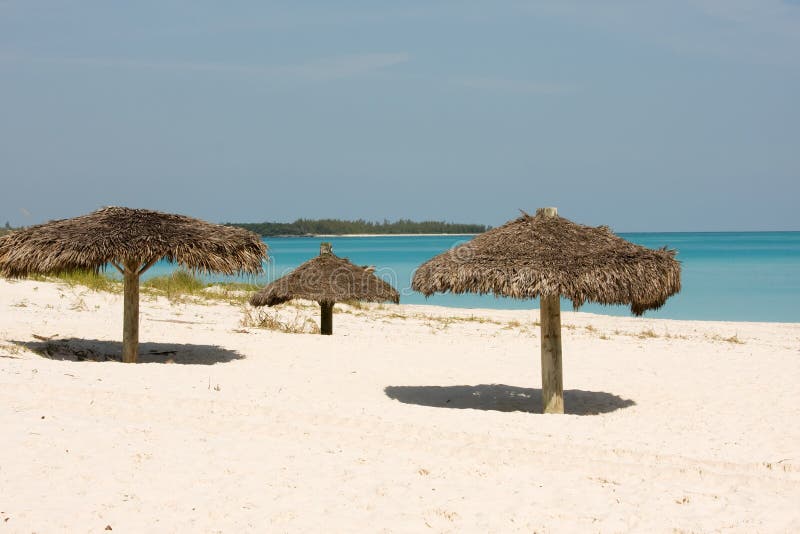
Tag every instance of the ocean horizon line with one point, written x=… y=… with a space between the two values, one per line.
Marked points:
x=621 y=232
x=377 y=235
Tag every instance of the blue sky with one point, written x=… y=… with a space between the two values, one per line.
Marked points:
x=647 y=116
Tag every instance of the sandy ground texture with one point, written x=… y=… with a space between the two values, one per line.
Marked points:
x=407 y=419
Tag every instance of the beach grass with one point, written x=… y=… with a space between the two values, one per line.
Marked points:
x=180 y=282
x=734 y=339
x=182 y=285
x=176 y=287
x=179 y=286
x=646 y=334
x=270 y=320
x=96 y=281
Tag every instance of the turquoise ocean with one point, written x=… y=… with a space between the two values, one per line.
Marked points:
x=726 y=276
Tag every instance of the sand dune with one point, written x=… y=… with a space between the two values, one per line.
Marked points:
x=407 y=419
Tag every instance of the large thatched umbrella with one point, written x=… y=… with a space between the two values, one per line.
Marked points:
x=549 y=257
x=327 y=279
x=131 y=240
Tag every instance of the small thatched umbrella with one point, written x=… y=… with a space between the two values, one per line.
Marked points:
x=548 y=256
x=327 y=279
x=131 y=240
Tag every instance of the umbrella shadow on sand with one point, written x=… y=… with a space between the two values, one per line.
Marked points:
x=94 y=350
x=503 y=398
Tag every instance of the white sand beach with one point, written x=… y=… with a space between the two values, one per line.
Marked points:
x=407 y=419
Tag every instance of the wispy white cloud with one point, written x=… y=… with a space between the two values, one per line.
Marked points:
x=344 y=66
x=332 y=68
x=763 y=31
x=516 y=86
x=755 y=31
x=295 y=16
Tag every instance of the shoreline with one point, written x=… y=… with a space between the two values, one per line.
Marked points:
x=566 y=309
x=26 y=292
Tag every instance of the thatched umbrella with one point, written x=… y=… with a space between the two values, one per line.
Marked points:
x=327 y=279
x=131 y=240
x=549 y=257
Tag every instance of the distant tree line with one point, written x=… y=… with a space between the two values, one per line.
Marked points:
x=336 y=226
x=6 y=228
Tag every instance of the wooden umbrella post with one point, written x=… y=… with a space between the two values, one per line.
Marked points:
x=130 y=316
x=550 y=319
x=326 y=321
x=131 y=272
x=552 y=377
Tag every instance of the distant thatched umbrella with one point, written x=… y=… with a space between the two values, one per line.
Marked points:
x=131 y=240
x=327 y=279
x=548 y=256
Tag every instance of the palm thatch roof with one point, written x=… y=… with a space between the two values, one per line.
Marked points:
x=125 y=236
x=535 y=256
x=327 y=278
